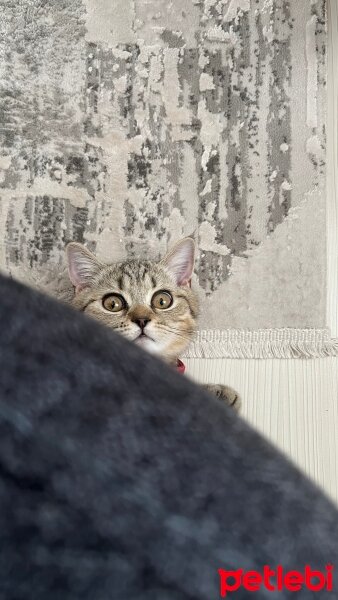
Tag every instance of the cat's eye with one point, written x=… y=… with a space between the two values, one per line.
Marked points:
x=162 y=299
x=114 y=302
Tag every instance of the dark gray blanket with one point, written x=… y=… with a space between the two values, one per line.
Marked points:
x=121 y=479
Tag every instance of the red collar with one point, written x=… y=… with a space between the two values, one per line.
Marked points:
x=180 y=366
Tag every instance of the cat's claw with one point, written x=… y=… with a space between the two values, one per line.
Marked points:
x=226 y=394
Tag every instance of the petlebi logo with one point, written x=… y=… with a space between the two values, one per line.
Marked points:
x=276 y=580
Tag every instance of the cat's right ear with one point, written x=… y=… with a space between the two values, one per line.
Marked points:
x=82 y=265
x=180 y=261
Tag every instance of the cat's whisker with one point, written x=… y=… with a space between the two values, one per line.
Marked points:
x=186 y=330
x=177 y=332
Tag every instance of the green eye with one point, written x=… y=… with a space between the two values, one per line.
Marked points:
x=162 y=300
x=114 y=302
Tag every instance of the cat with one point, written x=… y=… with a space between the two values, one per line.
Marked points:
x=151 y=303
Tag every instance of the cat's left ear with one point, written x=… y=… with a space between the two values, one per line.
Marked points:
x=180 y=261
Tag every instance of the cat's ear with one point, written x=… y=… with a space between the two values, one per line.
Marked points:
x=180 y=261
x=82 y=265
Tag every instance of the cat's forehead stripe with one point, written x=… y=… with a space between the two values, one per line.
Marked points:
x=133 y=276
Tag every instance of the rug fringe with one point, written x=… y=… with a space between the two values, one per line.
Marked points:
x=263 y=343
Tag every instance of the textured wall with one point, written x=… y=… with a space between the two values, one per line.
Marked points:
x=128 y=124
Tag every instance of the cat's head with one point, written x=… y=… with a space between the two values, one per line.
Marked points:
x=148 y=302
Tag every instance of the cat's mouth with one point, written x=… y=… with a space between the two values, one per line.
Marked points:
x=143 y=336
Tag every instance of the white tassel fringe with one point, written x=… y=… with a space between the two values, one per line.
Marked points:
x=263 y=343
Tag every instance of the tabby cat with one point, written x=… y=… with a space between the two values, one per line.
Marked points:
x=149 y=302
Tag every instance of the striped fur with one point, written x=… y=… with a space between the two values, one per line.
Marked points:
x=170 y=330
x=167 y=332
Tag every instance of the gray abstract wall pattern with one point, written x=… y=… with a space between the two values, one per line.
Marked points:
x=127 y=124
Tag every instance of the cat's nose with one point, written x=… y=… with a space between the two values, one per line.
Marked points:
x=141 y=322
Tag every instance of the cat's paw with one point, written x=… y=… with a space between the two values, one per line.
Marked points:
x=226 y=394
